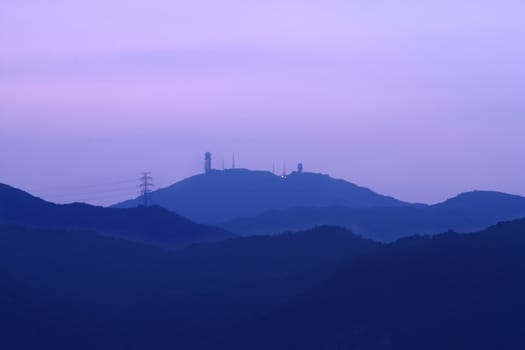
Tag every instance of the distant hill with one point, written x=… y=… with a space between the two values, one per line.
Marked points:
x=219 y=196
x=465 y=213
x=486 y=207
x=146 y=224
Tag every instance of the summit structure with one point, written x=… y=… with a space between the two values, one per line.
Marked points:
x=207 y=162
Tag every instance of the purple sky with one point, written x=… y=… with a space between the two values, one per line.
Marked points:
x=416 y=99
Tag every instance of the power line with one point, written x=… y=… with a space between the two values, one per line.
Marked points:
x=95 y=192
x=93 y=196
x=113 y=198
x=80 y=194
x=77 y=187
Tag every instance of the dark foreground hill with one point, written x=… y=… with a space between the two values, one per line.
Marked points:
x=321 y=289
x=224 y=195
x=146 y=224
x=447 y=292
x=73 y=289
x=467 y=212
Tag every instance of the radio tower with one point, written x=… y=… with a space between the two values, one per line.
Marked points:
x=146 y=188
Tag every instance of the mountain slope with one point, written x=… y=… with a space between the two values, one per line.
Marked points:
x=74 y=259
x=465 y=213
x=321 y=289
x=447 y=292
x=486 y=207
x=84 y=291
x=148 y=224
x=224 y=195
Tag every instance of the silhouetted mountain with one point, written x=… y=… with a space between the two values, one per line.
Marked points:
x=486 y=207
x=447 y=292
x=219 y=196
x=147 y=224
x=321 y=289
x=465 y=213
x=81 y=290
x=55 y=257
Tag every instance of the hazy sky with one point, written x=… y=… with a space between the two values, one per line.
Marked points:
x=412 y=98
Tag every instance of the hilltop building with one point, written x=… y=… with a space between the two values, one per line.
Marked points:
x=208 y=168
x=207 y=162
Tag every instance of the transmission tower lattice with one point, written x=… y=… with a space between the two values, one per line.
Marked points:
x=146 y=187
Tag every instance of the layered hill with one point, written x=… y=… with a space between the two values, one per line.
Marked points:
x=146 y=224
x=465 y=213
x=486 y=207
x=77 y=289
x=450 y=291
x=219 y=196
x=321 y=289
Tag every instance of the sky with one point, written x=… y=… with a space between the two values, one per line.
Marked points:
x=416 y=99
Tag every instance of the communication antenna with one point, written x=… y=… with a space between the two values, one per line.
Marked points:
x=146 y=188
x=233 y=161
x=207 y=162
x=223 y=164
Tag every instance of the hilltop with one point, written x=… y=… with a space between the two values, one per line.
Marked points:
x=153 y=225
x=218 y=196
x=466 y=212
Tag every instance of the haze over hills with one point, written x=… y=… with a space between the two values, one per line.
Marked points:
x=154 y=225
x=466 y=212
x=132 y=242
x=258 y=202
x=65 y=284
x=218 y=196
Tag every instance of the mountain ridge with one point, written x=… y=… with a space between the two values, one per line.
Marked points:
x=223 y=195
x=318 y=289
x=466 y=212
x=153 y=225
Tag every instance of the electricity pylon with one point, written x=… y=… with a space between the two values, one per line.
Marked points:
x=146 y=188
